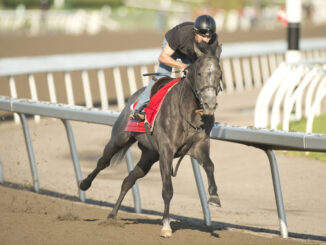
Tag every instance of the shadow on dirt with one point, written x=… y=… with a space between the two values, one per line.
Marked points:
x=178 y=222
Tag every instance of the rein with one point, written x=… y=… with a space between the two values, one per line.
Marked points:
x=197 y=130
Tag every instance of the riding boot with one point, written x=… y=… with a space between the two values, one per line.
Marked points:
x=139 y=114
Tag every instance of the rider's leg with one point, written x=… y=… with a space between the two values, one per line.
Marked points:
x=163 y=71
x=145 y=96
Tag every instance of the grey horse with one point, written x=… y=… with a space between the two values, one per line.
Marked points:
x=182 y=127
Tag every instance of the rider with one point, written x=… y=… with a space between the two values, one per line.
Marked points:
x=179 y=44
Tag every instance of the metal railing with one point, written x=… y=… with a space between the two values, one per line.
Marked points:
x=260 y=138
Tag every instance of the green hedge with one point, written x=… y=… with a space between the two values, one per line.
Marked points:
x=318 y=127
x=27 y=3
x=92 y=3
x=68 y=3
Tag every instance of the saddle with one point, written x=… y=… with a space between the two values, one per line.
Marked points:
x=159 y=83
x=158 y=92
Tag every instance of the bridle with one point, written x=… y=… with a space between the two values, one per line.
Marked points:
x=198 y=92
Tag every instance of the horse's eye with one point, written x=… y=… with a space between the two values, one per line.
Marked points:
x=199 y=74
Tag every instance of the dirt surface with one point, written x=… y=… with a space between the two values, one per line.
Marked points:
x=248 y=214
x=29 y=218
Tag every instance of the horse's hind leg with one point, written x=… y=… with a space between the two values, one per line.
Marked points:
x=148 y=158
x=115 y=145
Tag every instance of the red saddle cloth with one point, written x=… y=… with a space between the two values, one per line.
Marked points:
x=152 y=109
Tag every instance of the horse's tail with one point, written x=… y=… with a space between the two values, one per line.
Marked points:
x=117 y=157
x=120 y=125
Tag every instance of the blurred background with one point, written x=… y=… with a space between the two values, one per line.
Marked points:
x=75 y=17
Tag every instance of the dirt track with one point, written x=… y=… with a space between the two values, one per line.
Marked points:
x=248 y=214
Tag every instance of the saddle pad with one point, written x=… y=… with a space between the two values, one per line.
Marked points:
x=151 y=110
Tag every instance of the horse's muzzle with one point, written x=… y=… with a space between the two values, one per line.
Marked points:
x=209 y=101
x=209 y=108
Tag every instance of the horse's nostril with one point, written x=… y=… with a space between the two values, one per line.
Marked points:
x=208 y=105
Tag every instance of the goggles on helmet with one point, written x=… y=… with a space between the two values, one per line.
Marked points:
x=205 y=32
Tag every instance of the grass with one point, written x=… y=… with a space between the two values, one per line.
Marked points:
x=319 y=126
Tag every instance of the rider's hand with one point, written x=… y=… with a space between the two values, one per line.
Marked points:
x=184 y=69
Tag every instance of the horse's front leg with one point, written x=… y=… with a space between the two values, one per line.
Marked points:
x=214 y=199
x=201 y=153
x=166 y=158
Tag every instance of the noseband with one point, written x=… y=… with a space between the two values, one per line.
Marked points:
x=197 y=92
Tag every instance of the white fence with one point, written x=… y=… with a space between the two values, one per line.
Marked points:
x=290 y=91
x=245 y=66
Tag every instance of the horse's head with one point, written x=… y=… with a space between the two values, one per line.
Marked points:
x=205 y=76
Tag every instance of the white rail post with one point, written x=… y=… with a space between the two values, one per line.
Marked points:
x=102 y=88
x=52 y=93
x=247 y=73
x=33 y=91
x=321 y=87
x=144 y=70
x=131 y=79
x=266 y=93
x=227 y=73
x=279 y=59
x=320 y=96
x=264 y=68
x=310 y=92
x=87 y=89
x=298 y=102
x=238 y=74
x=69 y=90
x=256 y=71
x=297 y=99
x=118 y=88
x=13 y=94
x=272 y=62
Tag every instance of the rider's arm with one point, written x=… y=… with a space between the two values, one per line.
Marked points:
x=165 y=58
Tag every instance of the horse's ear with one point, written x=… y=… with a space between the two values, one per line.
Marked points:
x=219 y=51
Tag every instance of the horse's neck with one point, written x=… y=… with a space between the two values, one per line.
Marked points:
x=190 y=94
x=189 y=103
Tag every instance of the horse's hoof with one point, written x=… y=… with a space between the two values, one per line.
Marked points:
x=112 y=216
x=166 y=233
x=83 y=185
x=214 y=201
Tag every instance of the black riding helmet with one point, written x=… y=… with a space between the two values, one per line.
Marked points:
x=205 y=25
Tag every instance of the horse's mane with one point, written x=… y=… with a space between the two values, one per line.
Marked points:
x=203 y=48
